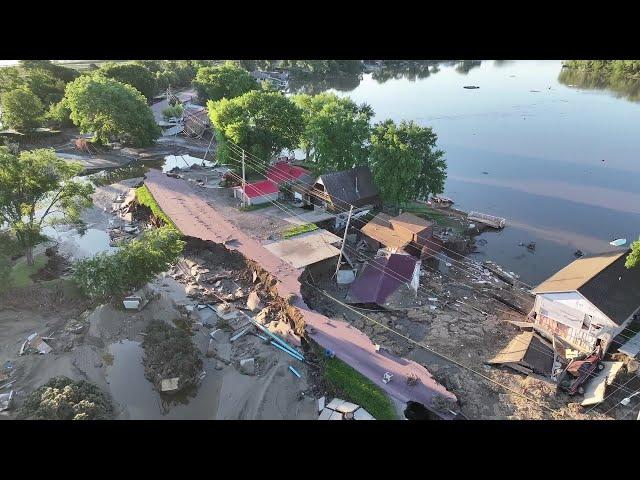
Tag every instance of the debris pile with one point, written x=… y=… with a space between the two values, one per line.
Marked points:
x=171 y=360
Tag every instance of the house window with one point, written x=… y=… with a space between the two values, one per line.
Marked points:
x=587 y=321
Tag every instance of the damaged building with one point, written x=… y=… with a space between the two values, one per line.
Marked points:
x=405 y=233
x=593 y=298
x=387 y=281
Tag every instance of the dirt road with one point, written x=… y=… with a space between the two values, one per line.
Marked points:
x=194 y=217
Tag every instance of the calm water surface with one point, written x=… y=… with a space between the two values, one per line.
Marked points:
x=562 y=163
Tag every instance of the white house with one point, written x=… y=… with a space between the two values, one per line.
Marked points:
x=594 y=297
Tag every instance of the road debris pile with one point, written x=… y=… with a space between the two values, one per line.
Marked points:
x=63 y=399
x=171 y=360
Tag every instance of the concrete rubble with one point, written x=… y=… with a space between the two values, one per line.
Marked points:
x=338 y=409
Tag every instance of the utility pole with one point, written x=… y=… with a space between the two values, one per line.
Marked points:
x=243 y=179
x=344 y=239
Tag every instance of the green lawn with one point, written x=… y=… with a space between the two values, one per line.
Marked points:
x=439 y=218
x=20 y=275
x=145 y=198
x=298 y=229
x=354 y=387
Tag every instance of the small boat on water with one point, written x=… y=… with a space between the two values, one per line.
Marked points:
x=471 y=87
x=619 y=242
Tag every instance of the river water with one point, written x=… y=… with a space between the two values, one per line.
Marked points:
x=562 y=162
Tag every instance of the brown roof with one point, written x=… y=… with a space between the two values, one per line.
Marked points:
x=411 y=222
x=381 y=230
x=603 y=280
x=578 y=272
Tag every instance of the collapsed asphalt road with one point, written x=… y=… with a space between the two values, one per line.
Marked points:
x=194 y=217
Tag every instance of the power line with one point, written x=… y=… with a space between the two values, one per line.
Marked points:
x=401 y=280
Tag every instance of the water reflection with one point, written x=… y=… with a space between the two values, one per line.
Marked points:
x=623 y=87
x=313 y=85
x=467 y=65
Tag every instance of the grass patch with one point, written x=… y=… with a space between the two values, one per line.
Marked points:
x=145 y=198
x=354 y=387
x=298 y=229
x=439 y=218
x=20 y=276
x=249 y=208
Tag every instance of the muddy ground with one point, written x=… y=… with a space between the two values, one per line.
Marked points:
x=101 y=343
x=464 y=336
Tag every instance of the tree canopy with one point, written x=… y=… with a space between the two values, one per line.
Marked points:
x=223 y=81
x=261 y=122
x=138 y=76
x=133 y=265
x=624 y=68
x=336 y=130
x=111 y=110
x=35 y=185
x=405 y=162
x=633 y=259
x=22 y=110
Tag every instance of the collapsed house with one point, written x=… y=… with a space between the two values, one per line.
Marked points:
x=593 y=298
x=306 y=248
x=406 y=233
x=387 y=281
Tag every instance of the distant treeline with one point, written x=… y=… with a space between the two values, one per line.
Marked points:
x=623 y=68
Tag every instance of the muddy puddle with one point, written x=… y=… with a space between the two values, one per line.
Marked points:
x=135 y=394
x=77 y=245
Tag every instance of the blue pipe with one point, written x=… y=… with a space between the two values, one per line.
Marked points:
x=295 y=372
x=287 y=351
x=281 y=342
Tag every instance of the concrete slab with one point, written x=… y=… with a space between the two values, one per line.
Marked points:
x=335 y=403
x=347 y=407
x=362 y=414
x=325 y=414
x=336 y=416
x=595 y=389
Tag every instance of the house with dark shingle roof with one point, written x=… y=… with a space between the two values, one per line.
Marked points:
x=593 y=298
x=337 y=191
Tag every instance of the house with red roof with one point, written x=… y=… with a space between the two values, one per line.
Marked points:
x=267 y=190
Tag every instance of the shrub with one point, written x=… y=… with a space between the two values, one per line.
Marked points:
x=173 y=111
x=63 y=399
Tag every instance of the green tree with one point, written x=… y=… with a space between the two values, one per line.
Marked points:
x=34 y=186
x=133 y=265
x=223 y=81
x=58 y=115
x=405 y=162
x=633 y=259
x=59 y=72
x=111 y=110
x=10 y=79
x=137 y=76
x=263 y=123
x=336 y=130
x=22 y=110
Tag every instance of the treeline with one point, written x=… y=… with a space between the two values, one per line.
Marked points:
x=625 y=68
x=110 y=101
